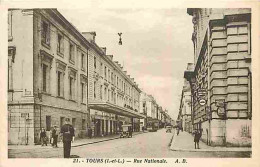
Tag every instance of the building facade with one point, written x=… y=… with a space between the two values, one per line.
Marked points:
x=56 y=72
x=113 y=95
x=47 y=75
x=152 y=110
x=221 y=79
x=184 y=117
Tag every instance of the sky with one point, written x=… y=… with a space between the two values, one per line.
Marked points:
x=156 y=46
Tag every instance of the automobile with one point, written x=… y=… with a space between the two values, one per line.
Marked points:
x=126 y=131
x=168 y=129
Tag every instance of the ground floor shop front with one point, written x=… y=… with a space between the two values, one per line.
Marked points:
x=103 y=123
x=25 y=122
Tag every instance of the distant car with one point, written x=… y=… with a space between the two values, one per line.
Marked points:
x=175 y=126
x=168 y=129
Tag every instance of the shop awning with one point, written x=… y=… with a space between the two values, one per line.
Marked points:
x=114 y=109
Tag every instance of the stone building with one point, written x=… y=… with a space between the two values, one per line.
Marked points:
x=149 y=104
x=47 y=74
x=113 y=95
x=55 y=72
x=184 y=116
x=221 y=79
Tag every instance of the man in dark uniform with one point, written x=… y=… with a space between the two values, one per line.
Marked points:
x=67 y=132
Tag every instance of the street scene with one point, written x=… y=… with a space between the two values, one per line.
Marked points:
x=130 y=83
x=116 y=147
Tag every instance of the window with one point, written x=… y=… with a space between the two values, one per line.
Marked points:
x=108 y=75
x=74 y=122
x=60 y=44
x=83 y=92
x=101 y=87
x=10 y=36
x=94 y=89
x=62 y=120
x=105 y=93
x=112 y=78
x=82 y=61
x=83 y=124
x=11 y=57
x=48 y=123
x=71 y=87
x=105 y=72
x=112 y=95
x=44 y=78
x=59 y=83
x=108 y=94
x=45 y=33
x=71 y=52
x=101 y=68
x=95 y=62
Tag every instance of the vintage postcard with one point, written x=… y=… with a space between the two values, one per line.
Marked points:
x=103 y=83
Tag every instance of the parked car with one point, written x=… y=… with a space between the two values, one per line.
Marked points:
x=126 y=131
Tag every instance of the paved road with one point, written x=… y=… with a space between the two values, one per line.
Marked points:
x=146 y=145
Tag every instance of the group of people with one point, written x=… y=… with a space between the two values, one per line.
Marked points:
x=53 y=137
x=67 y=132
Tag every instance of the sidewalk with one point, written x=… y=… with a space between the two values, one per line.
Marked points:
x=184 y=142
x=76 y=143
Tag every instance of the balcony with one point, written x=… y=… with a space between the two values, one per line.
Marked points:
x=114 y=109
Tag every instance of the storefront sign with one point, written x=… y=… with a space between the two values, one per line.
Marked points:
x=202 y=102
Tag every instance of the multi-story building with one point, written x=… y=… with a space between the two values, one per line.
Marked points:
x=148 y=103
x=47 y=74
x=221 y=79
x=113 y=95
x=160 y=116
x=184 y=117
x=54 y=71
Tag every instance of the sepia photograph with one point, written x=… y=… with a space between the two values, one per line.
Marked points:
x=133 y=83
x=136 y=83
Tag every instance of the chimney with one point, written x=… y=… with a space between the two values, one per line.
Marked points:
x=190 y=66
x=104 y=49
x=120 y=66
x=110 y=57
x=90 y=36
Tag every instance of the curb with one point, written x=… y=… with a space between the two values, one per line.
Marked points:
x=213 y=149
x=102 y=140
x=81 y=144
x=172 y=138
x=207 y=150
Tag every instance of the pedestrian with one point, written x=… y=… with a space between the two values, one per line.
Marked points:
x=178 y=130
x=67 y=132
x=89 y=132
x=130 y=131
x=43 y=137
x=54 y=136
x=197 y=136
